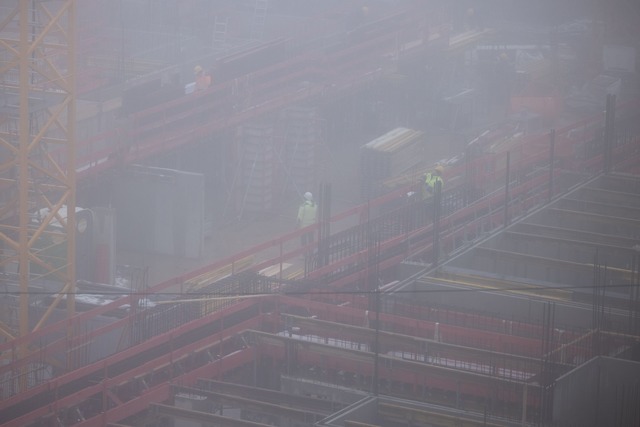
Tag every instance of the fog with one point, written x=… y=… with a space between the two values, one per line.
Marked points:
x=320 y=212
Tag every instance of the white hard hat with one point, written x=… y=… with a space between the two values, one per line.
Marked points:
x=308 y=196
x=197 y=69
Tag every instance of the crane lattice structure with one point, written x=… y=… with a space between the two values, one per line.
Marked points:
x=37 y=159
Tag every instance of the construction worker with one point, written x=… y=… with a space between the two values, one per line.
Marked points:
x=203 y=80
x=307 y=216
x=431 y=178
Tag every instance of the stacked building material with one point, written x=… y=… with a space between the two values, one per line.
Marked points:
x=393 y=154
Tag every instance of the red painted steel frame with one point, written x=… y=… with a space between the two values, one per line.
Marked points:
x=159 y=361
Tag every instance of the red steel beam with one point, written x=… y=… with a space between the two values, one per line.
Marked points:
x=99 y=367
x=163 y=392
x=390 y=368
x=414 y=326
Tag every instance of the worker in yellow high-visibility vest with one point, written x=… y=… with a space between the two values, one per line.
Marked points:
x=431 y=178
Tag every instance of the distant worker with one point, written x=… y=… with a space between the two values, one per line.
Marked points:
x=431 y=178
x=306 y=217
x=203 y=80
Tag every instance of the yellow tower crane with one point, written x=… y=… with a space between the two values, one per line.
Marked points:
x=37 y=164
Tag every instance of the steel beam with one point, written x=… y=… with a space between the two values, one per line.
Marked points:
x=422 y=327
x=620 y=182
x=415 y=416
x=588 y=237
x=492 y=283
x=612 y=209
x=272 y=396
x=392 y=339
x=558 y=240
x=365 y=359
x=155 y=363
x=96 y=368
x=301 y=415
x=610 y=196
x=161 y=392
x=532 y=260
x=577 y=215
x=204 y=417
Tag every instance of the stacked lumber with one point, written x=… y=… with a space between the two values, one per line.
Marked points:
x=391 y=155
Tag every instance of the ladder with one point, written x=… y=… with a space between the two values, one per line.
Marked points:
x=259 y=18
x=220 y=33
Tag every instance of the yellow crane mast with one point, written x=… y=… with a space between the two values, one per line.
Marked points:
x=37 y=160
